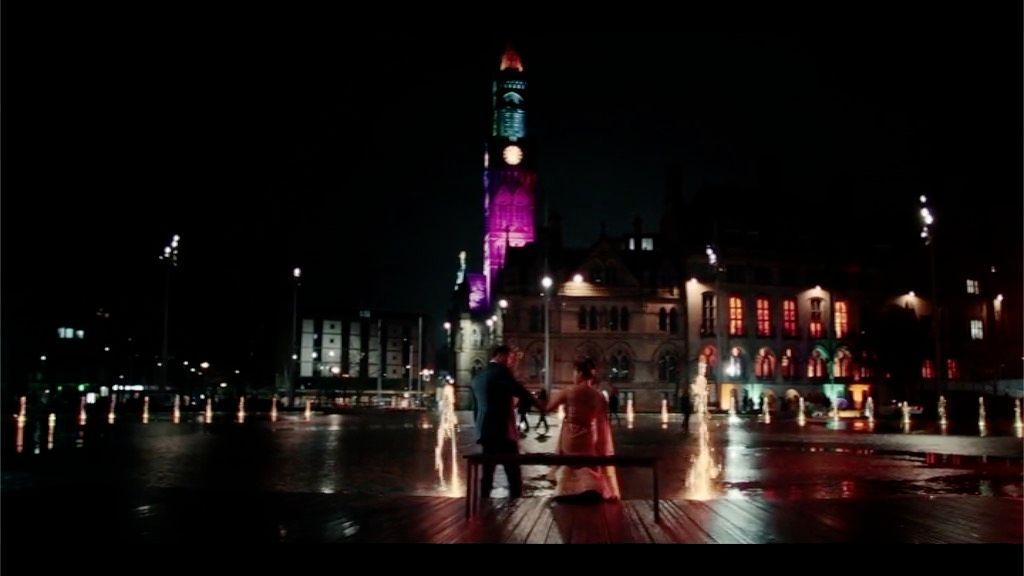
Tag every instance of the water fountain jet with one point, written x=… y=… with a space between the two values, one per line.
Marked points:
x=241 y=409
x=145 y=410
x=273 y=408
x=176 y=414
x=703 y=470
x=982 y=423
x=111 y=415
x=801 y=417
x=309 y=410
x=81 y=413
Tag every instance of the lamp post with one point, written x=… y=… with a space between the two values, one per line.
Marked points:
x=291 y=366
x=170 y=258
x=546 y=283
x=927 y=220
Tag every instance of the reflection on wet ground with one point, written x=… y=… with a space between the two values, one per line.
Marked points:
x=393 y=453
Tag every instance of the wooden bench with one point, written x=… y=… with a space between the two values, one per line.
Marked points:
x=475 y=462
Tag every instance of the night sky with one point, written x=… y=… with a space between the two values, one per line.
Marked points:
x=351 y=145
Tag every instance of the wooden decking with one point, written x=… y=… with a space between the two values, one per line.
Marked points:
x=183 y=515
x=963 y=519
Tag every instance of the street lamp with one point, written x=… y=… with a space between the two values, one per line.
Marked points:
x=170 y=257
x=927 y=220
x=291 y=367
x=547 y=282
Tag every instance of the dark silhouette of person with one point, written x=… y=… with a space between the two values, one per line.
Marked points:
x=524 y=409
x=613 y=405
x=686 y=407
x=542 y=399
x=494 y=389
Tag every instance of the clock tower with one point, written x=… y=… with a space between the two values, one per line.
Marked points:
x=509 y=179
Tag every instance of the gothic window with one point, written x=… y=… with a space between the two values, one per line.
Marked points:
x=668 y=367
x=613 y=318
x=673 y=321
x=952 y=370
x=815 y=328
x=764 y=368
x=624 y=319
x=788 y=364
x=583 y=318
x=663 y=320
x=593 y=318
x=841 y=368
x=816 y=365
x=619 y=366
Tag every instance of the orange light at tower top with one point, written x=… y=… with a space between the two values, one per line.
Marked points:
x=510 y=59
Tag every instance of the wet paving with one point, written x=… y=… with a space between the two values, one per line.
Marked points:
x=382 y=454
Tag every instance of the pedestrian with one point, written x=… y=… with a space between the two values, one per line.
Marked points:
x=613 y=405
x=542 y=398
x=686 y=407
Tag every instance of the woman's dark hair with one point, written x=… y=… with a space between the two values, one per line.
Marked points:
x=587 y=368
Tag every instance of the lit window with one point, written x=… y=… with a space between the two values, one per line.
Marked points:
x=735 y=316
x=764 y=369
x=816 y=365
x=952 y=370
x=632 y=243
x=764 y=317
x=972 y=286
x=789 y=318
x=977 y=330
x=815 y=327
x=788 y=364
x=927 y=370
x=841 y=368
x=647 y=244
x=842 y=319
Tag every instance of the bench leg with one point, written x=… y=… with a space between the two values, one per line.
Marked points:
x=469 y=490
x=657 y=497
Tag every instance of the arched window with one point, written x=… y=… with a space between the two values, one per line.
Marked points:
x=816 y=365
x=583 y=318
x=709 y=358
x=593 y=318
x=535 y=319
x=478 y=365
x=613 y=318
x=735 y=368
x=673 y=321
x=597 y=274
x=668 y=367
x=478 y=339
x=841 y=367
x=619 y=366
x=736 y=316
x=764 y=368
x=663 y=320
x=927 y=370
x=952 y=370
x=624 y=319
x=815 y=327
x=788 y=364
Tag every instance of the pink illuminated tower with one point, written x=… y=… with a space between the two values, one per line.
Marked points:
x=509 y=179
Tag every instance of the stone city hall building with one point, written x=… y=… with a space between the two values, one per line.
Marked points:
x=770 y=313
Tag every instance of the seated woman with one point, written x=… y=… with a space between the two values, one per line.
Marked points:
x=585 y=431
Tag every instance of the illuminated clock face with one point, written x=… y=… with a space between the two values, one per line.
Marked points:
x=512 y=155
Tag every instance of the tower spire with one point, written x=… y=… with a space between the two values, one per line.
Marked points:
x=510 y=59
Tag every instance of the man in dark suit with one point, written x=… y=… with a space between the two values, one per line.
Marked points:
x=493 y=389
